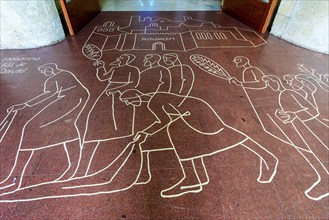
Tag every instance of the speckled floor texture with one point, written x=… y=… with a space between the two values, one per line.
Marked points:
x=164 y=115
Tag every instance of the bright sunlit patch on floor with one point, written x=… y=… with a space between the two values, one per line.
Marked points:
x=160 y=5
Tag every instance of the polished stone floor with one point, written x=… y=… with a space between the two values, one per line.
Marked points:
x=164 y=115
x=160 y=5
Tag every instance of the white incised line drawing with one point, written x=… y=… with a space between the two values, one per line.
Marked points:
x=153 y=33
x=301 y=92
x=303 y=115
x=174 y=110
x=59 y=89
x=133 y=96
x=117 y=82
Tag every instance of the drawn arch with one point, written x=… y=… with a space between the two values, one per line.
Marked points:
x=149 y=19
x=153 y=25
x=109 y=24
x=158 y=46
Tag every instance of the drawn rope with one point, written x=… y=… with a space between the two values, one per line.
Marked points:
x=208 y=65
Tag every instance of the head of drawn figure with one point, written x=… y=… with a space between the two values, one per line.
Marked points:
x=151 y=60
x=290 y=80
x=48 y=69
x=273 y=82
x=124 y=59
x=325 y=78
x=170 y=59
x=241 y=61
x=132 y=97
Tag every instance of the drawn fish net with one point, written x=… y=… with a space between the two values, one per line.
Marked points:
x=211 y=67
x=92 y=52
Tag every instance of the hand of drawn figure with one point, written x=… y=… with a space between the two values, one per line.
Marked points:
x=140 y=136
x=187 y=113
x=285 y=116
x=99 y=64
x=16 y=107
x=116 y=89
x=109 y=92
x=235 y=81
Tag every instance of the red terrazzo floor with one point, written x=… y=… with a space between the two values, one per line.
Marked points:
x=185 y=111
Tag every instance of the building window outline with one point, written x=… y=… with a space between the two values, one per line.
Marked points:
x=220 y=36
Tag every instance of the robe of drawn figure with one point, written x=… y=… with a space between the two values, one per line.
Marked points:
x=110 y=118
x=252 y=84
x=53 y=123
x=310 y=88
x=296 y=111
x=195 y=131
x=56 y=122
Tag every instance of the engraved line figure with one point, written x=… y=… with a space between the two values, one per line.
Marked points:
x=182 y=81
x=156 y=77
x=57 y=109
x=175 y=112
x=300 y=113
x=161 y=80
x=311 y=89
x=179 y=115
x=152 y=79
x=182 y=75
x=116 y=121
x=321 y=78
x=253 y=80
x=121 y=77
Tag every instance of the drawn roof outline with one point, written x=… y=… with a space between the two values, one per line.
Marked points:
x=187 y=21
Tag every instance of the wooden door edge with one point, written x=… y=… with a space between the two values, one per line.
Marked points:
x=269 y=15
x=67 y=18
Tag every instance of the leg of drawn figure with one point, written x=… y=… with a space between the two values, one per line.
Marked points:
x=127 y=161
x=10 y=161
x=190 y=183
x=9 y=147
x=73 y=153
x=319 y=188
x=145 y=175
x=123 y=177
x=268 y=162
x=202 y=170
x=88 y=151
x=133 y=160
x=14 y=179
x=320 y=153
x=317 y=141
